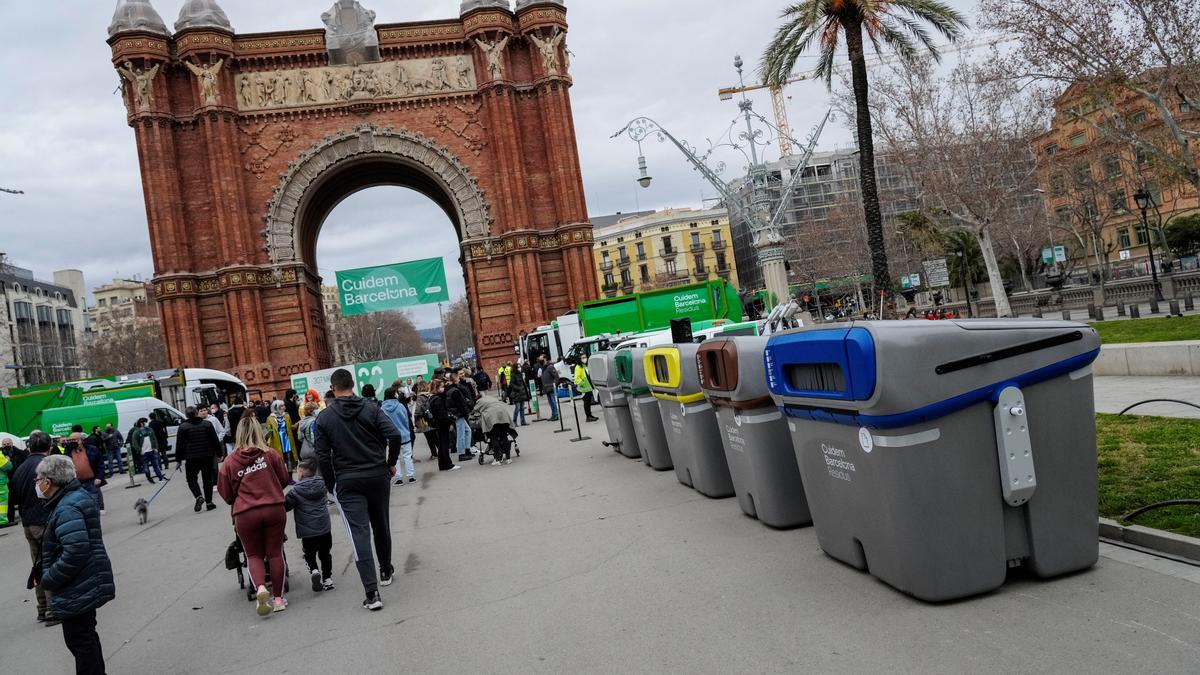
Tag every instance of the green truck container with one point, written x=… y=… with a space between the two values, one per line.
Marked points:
x=23 y=409
x=653 y=310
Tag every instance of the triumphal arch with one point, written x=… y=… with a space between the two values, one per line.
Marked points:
x=247 y=142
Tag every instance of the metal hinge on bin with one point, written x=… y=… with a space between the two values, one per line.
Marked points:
x=1018 y=481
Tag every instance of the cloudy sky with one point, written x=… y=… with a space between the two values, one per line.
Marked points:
x=64 y=140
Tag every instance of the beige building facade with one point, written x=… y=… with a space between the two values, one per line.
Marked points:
x=658 y=249
x=122 y=305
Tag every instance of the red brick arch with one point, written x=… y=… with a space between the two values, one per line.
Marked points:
x=239 y=176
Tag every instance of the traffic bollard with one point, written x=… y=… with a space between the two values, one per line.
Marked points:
x=1154 y=306
x=1174 y=307
x=1099 y=313
x=1066 y=315
x=1135 y=312
x=1120 y=309
x=1091 y=311
x=1189 y=304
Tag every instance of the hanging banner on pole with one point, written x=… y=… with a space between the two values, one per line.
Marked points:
x=389 y=287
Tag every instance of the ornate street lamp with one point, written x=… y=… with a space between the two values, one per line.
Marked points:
x=1142 y=197
x=754 y=209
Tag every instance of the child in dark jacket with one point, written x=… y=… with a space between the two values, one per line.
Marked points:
x=307 y=499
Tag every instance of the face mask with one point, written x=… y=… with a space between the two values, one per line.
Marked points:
x=37 y=487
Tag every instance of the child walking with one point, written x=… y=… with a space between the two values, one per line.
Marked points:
x=307 y=499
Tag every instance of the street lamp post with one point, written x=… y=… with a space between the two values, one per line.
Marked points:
x=764 y=226
x=1142 y=197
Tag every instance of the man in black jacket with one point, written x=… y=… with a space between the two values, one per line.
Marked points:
x=198 y=445
x=460 y=400
x=549 y=381
x=234 y=417
x=24 y=500
x=158 y=425
x=357 y=447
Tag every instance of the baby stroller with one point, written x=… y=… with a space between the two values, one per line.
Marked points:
x=235 y=559
x=478 y=438
x=501 y=443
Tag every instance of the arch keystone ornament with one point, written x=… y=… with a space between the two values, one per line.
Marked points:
x=248 y=142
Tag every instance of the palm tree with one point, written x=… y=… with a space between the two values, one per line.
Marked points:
x=820 y=24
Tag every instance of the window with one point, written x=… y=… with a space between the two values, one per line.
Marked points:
x=624 y=255
x=641 y=250
x=644 y=273
x=716 y=236
x=603 y=259
x=626 y=279
x=1141 y=234
x=1142 y=158
x=609 y=280
x=694 y=225
x=1063 y=215
x=666 y=241
x=670 y=267
x=1058 y=185
x=716 y=223
x=1117 y=202
x=102 y=302
x=1078 y=140
x=620 y=240
x=114 y=300
x=1123 y=238
x=1112 y=166
x=665 y=229
x=45 y=314
x=1155 y=194
x=1083 y=174
x=1051 y=150
x=23 y=311
x=638 y=235
x=698 y=262
x=64 y=317
x=695 y=239
x=721 y=264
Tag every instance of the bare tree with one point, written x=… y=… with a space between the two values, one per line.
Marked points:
x=379 y=336
x=121 y=349
x=965 y=141
x=1110 y=53
x=459 y=336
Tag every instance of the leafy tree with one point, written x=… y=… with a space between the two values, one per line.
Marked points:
x=820 y=25
x=1183 y=235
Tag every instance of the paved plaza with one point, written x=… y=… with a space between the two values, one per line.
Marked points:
x=575 y=559
x=1114 y=394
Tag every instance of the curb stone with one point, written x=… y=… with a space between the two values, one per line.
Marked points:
x=1156 y=540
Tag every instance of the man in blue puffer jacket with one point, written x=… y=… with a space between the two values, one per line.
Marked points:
x=76 y=571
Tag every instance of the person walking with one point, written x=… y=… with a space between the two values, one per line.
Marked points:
x=6 y=472
x=398 y=413
x=307 y=502
x=29 y=506
x=460 y=404
x=443 y=424
x=549 y=380
x=357 y=447
x=304 y=430
x=197 y=443
x=159 y=426
x=482 y=381
x=113 y=440
x=583 y=382
x=252 y=482
x=518 y=395
x=503 y=377
x=281 y=433
x=209 y=415
x=146 y=442
x=76 y=573
x=291 y=404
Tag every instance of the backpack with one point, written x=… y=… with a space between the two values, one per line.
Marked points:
x=422 y=411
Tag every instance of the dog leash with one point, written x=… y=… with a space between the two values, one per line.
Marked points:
x=178 y=468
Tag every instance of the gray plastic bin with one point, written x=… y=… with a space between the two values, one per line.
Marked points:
x=757 y=443
x=643 y=409
x=621 y=436
x=939 y=454
x=689 y=420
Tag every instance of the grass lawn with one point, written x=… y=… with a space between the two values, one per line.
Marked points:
x=1149 y=330
x=1144 y=460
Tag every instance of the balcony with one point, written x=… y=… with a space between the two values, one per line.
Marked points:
x=624 y=262
x=641 y=256
x=669 y=253
x=725 y=272
x=627 y=286
x=719 y=244
x=701 y=272
x=606 y=266
x=697 y=248
x=671 y=278
x=609 y=289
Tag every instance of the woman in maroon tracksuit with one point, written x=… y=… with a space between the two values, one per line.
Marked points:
x=252 y=481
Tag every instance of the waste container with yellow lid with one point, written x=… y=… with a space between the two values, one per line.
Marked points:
x=621 y=436
x=758 y=445
x=689 y=420
x=643 y=409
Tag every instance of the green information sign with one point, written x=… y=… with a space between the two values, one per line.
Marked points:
x=379 y=289
x=381 y=374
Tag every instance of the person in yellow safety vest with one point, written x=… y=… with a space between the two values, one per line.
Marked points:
x=583 y=382
x=6 y=469
x=503 y=378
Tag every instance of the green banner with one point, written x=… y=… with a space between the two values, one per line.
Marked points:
x=382 y=374
x=379 y=289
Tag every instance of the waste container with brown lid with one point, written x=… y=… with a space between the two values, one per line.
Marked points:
x=758 y=445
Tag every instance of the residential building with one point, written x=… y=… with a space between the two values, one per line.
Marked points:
x=1088 y=179
x=824 y=229
x=331 y=301
x=124 y=304
x=41 y=327
x=659 y=249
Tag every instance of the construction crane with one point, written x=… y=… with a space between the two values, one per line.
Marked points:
x=779 y=103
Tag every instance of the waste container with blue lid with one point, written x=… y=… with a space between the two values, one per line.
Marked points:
x=755 y=435
x=643 y=409
x=689 y=420
x=940 y=454
x=621 y=437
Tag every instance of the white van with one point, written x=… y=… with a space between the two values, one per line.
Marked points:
x=123 y=415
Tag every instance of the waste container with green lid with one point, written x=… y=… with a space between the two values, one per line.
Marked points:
x=621 y=436
x=689 y=420
x=757 y=442
x=643 y=409
x=940 y=454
